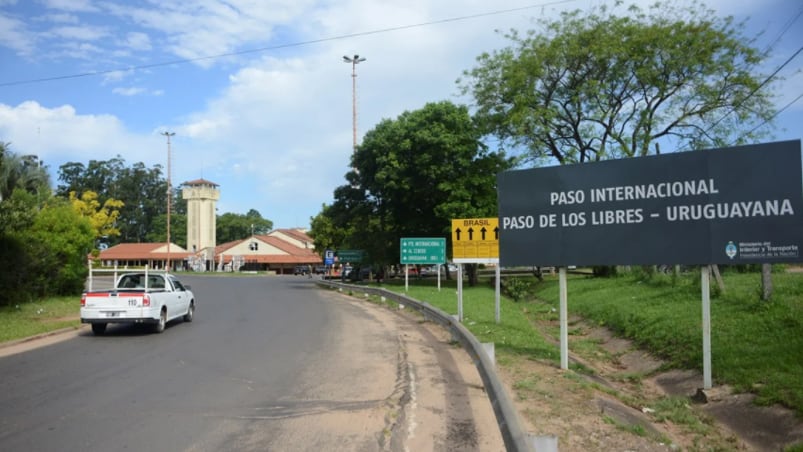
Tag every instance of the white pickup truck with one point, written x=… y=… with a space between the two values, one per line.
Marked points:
x=139 y=297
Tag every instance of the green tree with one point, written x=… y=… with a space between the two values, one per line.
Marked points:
x=178 y=229
x=23 y=172
x=17 y=214
x=24 y=187
x=49 y=255
x=103 y=218
x=232 y=226
x=142 y=190
x=18 y=211
x=597 y=86
x=411 y=176
x=324 y=231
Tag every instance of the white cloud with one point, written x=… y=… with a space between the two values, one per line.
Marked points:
x=130 y=91
x=71 y=5
x=203 y=28
x=116 y=76
x=77 y=50
x=81 y=33
x=15 y=35
x=61 y=134
x=137 y=41
x=61 y=18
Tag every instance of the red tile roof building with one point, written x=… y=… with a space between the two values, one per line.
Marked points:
x=280 y=251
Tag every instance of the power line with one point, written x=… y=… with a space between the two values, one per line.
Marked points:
x=756 y=89
x=783 y=31
x=280 y=46
x=769 y=47
x=777 y=113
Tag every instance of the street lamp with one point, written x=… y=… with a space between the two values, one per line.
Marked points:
x=355 y=60
x=169 y=195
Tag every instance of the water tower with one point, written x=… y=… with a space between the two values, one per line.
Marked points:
x=201 y=196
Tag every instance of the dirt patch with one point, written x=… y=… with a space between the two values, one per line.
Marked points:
x=618 y=399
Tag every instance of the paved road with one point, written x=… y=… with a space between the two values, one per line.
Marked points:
x=270 y=363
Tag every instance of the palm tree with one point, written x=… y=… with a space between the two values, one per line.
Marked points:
x=24 y=172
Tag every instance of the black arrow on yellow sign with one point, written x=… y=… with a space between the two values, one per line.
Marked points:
x=458 y=233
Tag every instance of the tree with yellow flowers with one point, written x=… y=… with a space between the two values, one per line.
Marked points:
x=103 y=218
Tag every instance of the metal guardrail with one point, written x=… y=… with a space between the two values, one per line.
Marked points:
x=506 y=416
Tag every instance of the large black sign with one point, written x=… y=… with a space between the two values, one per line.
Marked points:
x=721 y=206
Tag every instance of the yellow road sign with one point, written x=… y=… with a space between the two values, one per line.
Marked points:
x=475 y=238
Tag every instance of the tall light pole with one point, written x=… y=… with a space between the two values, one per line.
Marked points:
x=355 y=60
x=169 y=195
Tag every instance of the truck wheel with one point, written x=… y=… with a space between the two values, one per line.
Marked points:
x=190 y=312
x=98 y=328
x=160 y=326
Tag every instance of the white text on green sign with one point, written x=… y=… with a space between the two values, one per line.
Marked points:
x=423 y=250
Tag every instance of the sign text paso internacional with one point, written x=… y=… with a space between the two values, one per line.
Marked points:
x=732 y=205
x=426 y=251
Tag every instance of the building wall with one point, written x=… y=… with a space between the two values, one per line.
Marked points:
x=262 y=248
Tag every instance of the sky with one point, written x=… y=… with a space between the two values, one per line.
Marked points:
x=257 y=92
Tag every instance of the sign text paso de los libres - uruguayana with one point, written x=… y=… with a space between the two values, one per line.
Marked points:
x=732 y=205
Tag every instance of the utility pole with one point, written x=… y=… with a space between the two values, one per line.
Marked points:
x=355 y=60
x=169 y=195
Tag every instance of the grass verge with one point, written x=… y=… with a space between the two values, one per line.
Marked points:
x=756 y=345
x=29 y=319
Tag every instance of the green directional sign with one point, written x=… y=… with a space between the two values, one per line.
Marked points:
x=431 y=250
x=350 y=256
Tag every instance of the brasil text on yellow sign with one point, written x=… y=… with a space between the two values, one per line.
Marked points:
x=475 y=240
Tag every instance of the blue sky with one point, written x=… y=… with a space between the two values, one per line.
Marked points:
x=272 y=127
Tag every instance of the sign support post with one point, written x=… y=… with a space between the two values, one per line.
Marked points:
x=475 y=241
x=460 y=293
x=705 y=283
x=427 y=251
x=498 y=289
x=564 y=320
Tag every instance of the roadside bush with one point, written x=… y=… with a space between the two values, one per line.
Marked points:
x=751 y=268
x=517 y=289
x=12 y=260
x=604 y=271
x=55 y=248
x=643 y=273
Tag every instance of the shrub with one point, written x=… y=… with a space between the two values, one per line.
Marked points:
x=516 y=288
x=604 y=271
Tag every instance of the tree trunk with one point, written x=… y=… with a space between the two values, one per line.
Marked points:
x=471 y=271
x=766 y=282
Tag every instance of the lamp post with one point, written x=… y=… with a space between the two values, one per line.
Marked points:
x=355 y=60
x=169 y=195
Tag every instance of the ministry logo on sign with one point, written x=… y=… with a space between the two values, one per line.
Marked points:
x=730 y=250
